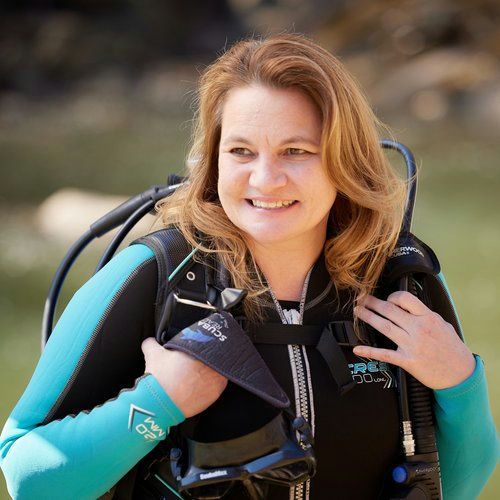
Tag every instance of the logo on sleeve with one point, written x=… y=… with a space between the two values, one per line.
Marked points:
x=147 y=427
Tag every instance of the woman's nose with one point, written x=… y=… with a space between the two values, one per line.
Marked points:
x=267 y=174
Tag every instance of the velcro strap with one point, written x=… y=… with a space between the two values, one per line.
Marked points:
x=277 y=333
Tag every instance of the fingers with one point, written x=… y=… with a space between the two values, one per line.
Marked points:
x=150 y=345
x=383 y=325
x=399 y=315
x=409 y=302
x=389 y=310
x=386 y=355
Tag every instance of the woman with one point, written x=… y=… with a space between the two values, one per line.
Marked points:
x=291 y=192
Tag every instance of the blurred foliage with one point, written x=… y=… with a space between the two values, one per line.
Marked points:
x=118 y=161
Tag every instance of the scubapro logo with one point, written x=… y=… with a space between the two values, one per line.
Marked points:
x=211 y=326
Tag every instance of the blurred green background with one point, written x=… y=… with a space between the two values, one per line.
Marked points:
x=96 y=96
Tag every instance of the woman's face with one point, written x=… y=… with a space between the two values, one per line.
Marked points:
x=272 y=183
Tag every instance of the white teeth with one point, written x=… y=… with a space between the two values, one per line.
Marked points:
x=272 y=204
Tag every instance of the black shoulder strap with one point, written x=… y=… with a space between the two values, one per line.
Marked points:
x=171 y=250
x=411 y=256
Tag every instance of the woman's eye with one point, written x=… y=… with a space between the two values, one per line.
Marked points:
x=241 y=152
x=296 y=151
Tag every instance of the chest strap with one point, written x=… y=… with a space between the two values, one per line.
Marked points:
x=328 y=340
x=278 y=333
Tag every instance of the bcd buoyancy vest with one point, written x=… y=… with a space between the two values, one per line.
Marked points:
x=182 y=282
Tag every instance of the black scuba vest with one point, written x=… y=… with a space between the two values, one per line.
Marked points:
x=357 y=435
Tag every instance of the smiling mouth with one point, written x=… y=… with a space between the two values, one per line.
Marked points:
x=270 y=205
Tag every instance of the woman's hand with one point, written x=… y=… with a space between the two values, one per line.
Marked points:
x=190 y=384
x=428 y=347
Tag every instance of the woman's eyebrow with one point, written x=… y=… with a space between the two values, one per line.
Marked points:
x=299 y=138
x=235 y=138
x=293 y=139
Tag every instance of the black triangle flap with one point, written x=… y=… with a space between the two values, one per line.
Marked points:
x=219 y=342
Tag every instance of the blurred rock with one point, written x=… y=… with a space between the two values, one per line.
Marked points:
x=429 y=105
x=166 y=85
x=95 y=112
x=55 y=38
x=69 y=212
x=484 y=112
x=13 y=109
x=446 y=69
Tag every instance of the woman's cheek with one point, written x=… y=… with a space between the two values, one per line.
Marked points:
x=230 y=188
x=233 y=178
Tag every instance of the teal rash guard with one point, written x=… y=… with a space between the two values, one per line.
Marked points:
x=49 y=449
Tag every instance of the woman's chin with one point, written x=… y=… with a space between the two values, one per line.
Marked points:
x=269 y=238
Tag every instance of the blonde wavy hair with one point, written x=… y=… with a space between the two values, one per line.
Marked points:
x=366 y=217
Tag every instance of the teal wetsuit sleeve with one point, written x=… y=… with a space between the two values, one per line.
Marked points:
x=466 y=436
x=85 y=454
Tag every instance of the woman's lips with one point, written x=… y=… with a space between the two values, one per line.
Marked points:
x=274 y=209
